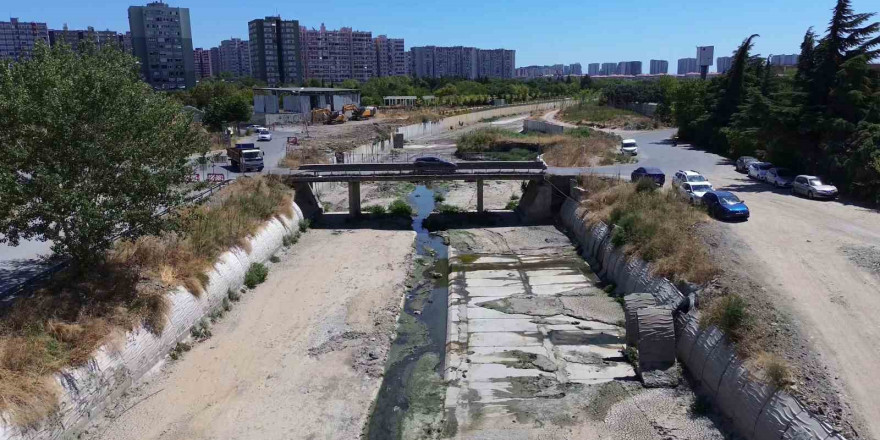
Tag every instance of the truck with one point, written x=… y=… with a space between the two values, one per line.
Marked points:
x=244 y=157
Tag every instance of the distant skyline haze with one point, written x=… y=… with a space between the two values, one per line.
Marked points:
x=540 y=32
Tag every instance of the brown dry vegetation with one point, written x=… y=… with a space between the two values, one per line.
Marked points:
x=581 y=147
x=601 y=116
x=304 y=155
x=75 y=313
x=653 y=224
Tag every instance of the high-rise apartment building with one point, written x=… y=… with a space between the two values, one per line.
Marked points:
x=390 y=56
x=593 y=69
x=659 y=67
x=215 y=60
x=722 y=64
x=74 y=37
x=687 y=65
x=576 y=69
x=608 y=69
x=235 y=58
x=337 y=55
x=161 y=38
x=203 y=66
x=629 y=68
x=18 y=38
x=275 y=50
x=784 y=60
x=462 y=62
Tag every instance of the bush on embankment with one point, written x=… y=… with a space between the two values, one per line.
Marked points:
x=580 y=147
x=75 y=313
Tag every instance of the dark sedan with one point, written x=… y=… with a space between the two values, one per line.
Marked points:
x=431 y=163
x=725 y=205
x=652 y=173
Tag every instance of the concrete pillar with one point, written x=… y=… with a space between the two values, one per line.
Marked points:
x=354 y=198
x=479 y=195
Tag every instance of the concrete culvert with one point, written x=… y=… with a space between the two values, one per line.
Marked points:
x=631 y=305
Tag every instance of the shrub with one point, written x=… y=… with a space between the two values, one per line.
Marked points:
x=179 y=350
x=255 y=275
x=291 y=239
x=233 y=295
x=304 y=225
x=645 y=184
x=274 y=259
x=439 y=197
x=729 y=313
x=375 y=209
x=511 y=205
x=201 y=331
x=444 y=208
x=775 y=370
x=400 y=208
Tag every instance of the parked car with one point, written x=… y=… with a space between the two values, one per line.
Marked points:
x=652 y=173
x=263 y=134
x=757 y=170
x=779 y=177
x=694 y=191
x=742 y=164
x=686 y=176
x=431 y=163
x=629 y=146
x=813 y=187
x=725 y=205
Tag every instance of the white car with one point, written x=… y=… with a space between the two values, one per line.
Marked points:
x=629 y=146
x=694 y=191
x=758 y=170
x=687 y=176
x=263 y=134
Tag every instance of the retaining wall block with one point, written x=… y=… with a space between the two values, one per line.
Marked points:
x=605 y=248
x=703 y=348
x=656 y=338
x=666 y=293
x=742 y=398
x=777 y=416
x=638 y=269
x=689 y=334
x=631 y=305
x=806 y=427
x=716 y=365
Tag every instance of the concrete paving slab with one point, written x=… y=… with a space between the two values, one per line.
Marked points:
x=488 y=372
x=596 y=373
x=496 y=291
x=501 y=325
x=478 y=312
x=586 y=353
x=486 y=355
x=494 y=273
x=503 y=339
x=560 y=271
x=477 y=300
x=493 y=282
x=494 y=260
x=555 y=289
x=557 y=279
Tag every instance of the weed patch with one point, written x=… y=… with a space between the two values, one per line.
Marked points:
x=375 y=209
x=304 y=225
x=255 y=275
x=730 y=314
x=400 y=208
x=444 y=208
x=591 y=114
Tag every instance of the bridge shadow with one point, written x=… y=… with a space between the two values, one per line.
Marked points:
x=466 y=220
x=343 y=220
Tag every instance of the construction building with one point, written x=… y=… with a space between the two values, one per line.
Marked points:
x=161 y=39
x=275 y=51
x=18 y=38
x=287 y=105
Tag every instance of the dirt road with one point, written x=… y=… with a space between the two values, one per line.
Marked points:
x=299 y=357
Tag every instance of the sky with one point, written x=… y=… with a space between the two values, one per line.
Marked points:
x=541 y=32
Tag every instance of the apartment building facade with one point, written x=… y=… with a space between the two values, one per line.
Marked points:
x=722 y=64
x=629 y=68
x=162 y=39
x=235 y=58
x=202 y=58
x=687 y=65
x=608 y=69
x=593 y=69
x=275 y=51
x=336 y=55
x=390 y=56
x=74 y=37
x=18 y=38
x=659 y=67
x=576 y=69
x=462 y=62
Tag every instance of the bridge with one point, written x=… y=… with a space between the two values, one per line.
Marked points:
x=355 y=173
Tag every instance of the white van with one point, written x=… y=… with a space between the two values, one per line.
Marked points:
x=629 y=146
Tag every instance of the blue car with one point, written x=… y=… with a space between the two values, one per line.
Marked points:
x=652 y=173
x=725 y=205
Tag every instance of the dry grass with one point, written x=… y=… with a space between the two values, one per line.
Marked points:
x=653 y=224
x=773 y=370
x=304 y=155
x=417 y=116
x=65 y=322
x=594 y=115
x=581 y=147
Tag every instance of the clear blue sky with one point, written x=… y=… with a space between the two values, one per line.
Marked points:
x=541 y=32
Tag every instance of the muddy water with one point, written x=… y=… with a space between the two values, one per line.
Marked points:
x=411 y=396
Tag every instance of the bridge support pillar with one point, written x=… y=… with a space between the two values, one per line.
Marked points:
x=354 y=198
x=479 y=195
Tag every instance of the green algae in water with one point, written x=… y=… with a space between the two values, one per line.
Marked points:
x=410 y=335
x=426 y=392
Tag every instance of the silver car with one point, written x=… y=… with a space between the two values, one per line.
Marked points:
x=779 y=177
x=813 y=187
x=757 y=170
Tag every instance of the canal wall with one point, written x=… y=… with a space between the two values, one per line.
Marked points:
x=87 y=390
x=757 y=410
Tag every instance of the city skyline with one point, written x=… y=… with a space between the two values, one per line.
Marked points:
x=223 y=20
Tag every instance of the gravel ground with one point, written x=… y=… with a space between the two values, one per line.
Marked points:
x=301 y=356
x=866 y=257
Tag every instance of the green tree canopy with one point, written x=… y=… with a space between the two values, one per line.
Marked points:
x=89 y=150
x=227 y=109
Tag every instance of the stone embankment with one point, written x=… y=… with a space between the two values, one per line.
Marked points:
x=757 y=410
x=87 y=390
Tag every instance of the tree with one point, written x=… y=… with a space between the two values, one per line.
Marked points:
x=90 y=151
x=227 y=109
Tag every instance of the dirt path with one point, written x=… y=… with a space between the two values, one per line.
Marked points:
x=299 y=357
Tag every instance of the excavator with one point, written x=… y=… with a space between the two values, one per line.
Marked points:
x=320 y=115
x=362 y=113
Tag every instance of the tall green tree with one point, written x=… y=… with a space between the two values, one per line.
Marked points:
x=89 y=151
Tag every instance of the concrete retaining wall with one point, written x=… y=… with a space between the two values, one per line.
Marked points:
x=758 y=411
x=87 y=390
x=542 y=127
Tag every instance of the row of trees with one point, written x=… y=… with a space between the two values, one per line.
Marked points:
x=822 y=118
